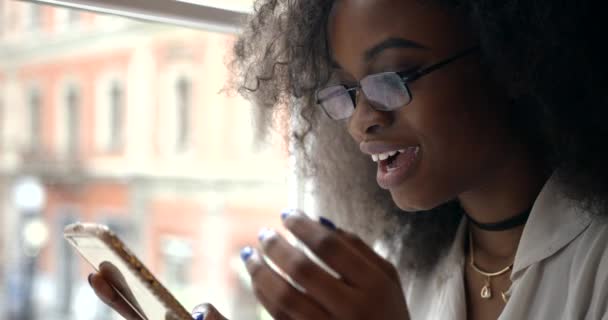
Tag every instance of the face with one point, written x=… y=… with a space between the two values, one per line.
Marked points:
x=453 y=134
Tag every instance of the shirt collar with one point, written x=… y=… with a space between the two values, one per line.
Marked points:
x=553 y=223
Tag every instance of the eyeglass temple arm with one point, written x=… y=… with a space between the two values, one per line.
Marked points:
x=429 y=69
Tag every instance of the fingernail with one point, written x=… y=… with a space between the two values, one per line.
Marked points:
x=327 y=223
x=198 y=316
x=201 y=308
x=286 y=213
x=265 y=234
x=246 y=253
x=89 y=279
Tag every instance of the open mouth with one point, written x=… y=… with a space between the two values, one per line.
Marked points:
x=391 y=163
x=395 y=166
x=396 y=160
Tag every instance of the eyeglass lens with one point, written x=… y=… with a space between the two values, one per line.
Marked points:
x=384 y=91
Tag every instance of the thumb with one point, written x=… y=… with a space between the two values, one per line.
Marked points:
x=207 y=311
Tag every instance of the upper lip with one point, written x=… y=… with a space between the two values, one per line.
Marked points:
x=378 y=147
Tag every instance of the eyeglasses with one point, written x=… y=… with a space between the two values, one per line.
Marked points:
x=386 y=91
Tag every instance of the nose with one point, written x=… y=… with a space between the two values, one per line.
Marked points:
x=366 y=121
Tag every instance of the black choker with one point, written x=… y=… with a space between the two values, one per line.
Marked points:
x=510 y=223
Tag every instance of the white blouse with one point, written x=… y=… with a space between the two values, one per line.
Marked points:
x=560 y=269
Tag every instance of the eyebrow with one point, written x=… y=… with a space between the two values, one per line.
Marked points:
x=391 y=43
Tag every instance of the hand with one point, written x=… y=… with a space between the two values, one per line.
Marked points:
x=109 y=277
x=368 y=288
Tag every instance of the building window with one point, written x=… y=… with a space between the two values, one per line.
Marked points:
x=35 y=120
x=73 y=17
x=34 y=17
x=116 y=117
x=184 y=110
x=72 y=117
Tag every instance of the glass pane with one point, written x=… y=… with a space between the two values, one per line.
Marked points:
x=337 y=102
x=385 y=91
x=124 y=123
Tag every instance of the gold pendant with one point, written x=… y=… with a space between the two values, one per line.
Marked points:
x=486 y=291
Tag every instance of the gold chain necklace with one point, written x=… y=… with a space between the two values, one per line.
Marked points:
x=486 y=290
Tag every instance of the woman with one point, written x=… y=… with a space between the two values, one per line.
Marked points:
x=482 y=123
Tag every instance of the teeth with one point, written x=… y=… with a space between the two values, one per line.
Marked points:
x=386 y=155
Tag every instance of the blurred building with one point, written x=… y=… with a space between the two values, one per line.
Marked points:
x=124 y=123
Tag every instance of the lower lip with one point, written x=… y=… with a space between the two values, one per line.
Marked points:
x=388 y=179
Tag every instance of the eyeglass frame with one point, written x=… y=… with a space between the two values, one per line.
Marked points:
x=405 y=77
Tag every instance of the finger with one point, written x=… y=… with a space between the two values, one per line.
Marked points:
x=325 y=243
x=116 y=279
x=280 y=299
x=369 y=253
x=207 y=311
x=170 y=315
x=318 y=284
x=270 y=305
x=109 y=296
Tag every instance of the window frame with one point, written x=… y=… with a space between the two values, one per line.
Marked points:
x=182 y=13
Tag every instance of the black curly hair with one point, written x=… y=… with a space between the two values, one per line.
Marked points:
x=548 y=51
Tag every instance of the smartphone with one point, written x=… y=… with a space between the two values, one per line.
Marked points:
x=130 y=278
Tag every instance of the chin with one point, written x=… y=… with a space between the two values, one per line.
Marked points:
x=410 y=203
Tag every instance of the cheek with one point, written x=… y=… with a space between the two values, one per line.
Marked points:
x=463 y=136
x=465 y=121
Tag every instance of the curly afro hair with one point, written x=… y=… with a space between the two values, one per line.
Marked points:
x=549 y=50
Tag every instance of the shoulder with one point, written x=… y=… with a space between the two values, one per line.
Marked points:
x=589 y=266
x=592 y=244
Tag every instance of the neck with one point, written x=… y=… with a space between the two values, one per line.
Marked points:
x=507 y=193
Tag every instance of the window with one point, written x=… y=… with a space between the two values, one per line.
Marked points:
x=110 y=117
x=116 y=117
x=35 y=120
x=73 y=17
x=72 y=121
x=160 y=150
x=110 y=113
x=183 y=88
x=35 y=17
x=65 y=20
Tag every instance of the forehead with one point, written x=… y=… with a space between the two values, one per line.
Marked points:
x=355 y=26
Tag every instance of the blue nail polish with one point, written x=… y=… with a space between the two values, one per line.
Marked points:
x=263 y=234
x=327 y=223
x=201 y=308
x=286 y=213
x=198 y=316
x=246 y=253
